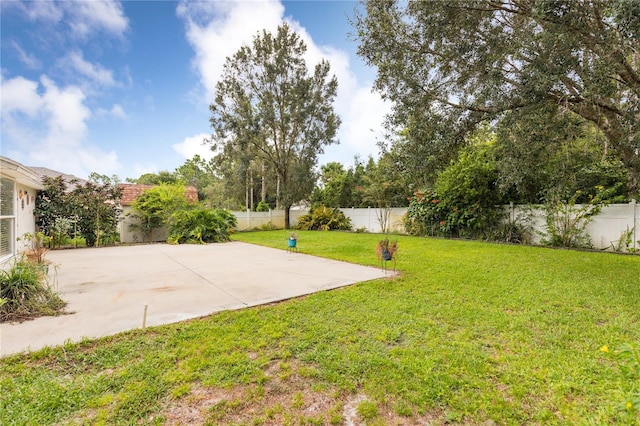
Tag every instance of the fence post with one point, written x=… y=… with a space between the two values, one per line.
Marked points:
x=634 y=218
x=248 y=219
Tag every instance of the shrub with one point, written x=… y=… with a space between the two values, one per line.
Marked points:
x=263 y=207
x=201 y=225
x=566 y=221
x=469 y=194
x=59 y=231
x=323 y=218
x=154 y=207
x=425 y=215
x=25 y=293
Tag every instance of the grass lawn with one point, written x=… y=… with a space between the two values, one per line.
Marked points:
x=470 y=333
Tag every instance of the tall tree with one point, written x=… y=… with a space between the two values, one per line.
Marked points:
x=198 y=173
x=267 y=105
x=155 y=179
x=468 y=62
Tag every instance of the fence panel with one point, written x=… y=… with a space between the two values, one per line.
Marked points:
x=605 y=229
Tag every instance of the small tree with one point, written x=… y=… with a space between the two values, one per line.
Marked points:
x=97 y=208
x=384 y=189
x=154 y=207
x=93 y=206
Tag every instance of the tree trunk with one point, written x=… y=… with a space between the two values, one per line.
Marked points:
x=287 y=222
x=278 y=193
x=251 y=189
x=246 y=191
x=263 y=193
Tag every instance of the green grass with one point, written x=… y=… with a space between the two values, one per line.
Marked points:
x=469 y=332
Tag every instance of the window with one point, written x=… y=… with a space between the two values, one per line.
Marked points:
x=7 y=217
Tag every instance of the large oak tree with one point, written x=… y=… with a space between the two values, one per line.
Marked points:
x=450 y=65
x=268 y=106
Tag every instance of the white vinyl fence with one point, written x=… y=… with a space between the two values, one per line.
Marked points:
x=605 y=230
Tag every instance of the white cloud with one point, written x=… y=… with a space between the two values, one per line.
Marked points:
x=84 y=18
x=216 y=30
x=193 y=145
x=116 y=111
x=40 y=10
x=97 y=15
x=20 y=94
x=48 y=124
x=29 y=61
x=96 y=73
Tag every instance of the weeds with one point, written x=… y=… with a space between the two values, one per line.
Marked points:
x=26 y=293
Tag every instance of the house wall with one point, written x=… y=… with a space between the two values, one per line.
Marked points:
x=19 y=189
x=25 y=218
x=129 y=236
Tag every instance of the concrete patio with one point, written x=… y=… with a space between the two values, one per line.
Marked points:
x=107 y=288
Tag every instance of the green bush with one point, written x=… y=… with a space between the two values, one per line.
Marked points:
x=425 y=215
x=469 y=194
x=25 y=292
x=201 y=225
x=465 y=201
x=323 y=218
x=263 y=207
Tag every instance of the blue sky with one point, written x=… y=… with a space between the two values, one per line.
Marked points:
x=123 y=87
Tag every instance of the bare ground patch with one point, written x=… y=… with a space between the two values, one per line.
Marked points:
x=288 y=395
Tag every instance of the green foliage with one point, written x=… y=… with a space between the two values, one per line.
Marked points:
x=270 y=110
x=321 y=218
x=201 y=225
x=97 y=208
x=198 y=173
x=164 y=177
x=447 y=66
x=367 y=410
x=425 y=215
x=59 y=231
x=269 y=226
x=52 y=203
x=468 y=192
x=339 y=187
x=93 y=207
x=625 y=242
x=566 y=221
x=26 y=293
x=263 y=207
x=627 y=356
x=153 y=208
x=542 y=152
x=465 y=203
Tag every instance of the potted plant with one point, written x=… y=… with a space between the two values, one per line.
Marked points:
x=293 y=241
x=386 y=249
x=36 y=251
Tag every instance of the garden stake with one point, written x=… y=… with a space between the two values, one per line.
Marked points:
x=144 y=317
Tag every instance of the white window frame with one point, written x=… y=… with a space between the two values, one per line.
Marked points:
x=11 y=219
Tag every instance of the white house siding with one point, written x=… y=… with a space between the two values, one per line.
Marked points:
x=127 y=235
x=19 y=186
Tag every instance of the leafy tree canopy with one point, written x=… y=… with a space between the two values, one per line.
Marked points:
x=270 y=109
x=449 y=65
x=155 y=178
